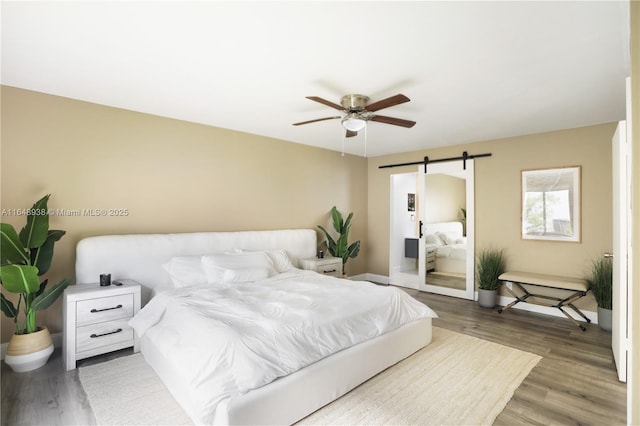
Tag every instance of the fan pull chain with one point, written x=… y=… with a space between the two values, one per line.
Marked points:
x=365 y=141
x=344 y=136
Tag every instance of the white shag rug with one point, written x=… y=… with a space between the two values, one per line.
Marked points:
x=455 y=380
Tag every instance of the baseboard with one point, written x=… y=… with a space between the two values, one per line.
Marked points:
x=56 y=337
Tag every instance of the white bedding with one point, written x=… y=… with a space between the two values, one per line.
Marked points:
x=227 y=339
x=453 y=251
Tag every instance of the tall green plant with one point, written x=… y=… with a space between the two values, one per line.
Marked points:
x=340 y=247
x=24 y=258
x=489 y=267
x=601 y=282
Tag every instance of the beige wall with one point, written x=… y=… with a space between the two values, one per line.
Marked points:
x=446 y=195
x=172 y=176
x=497 y=183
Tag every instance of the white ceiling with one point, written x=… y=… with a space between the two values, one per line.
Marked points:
x=473 y=70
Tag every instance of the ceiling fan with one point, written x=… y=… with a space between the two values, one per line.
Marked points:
x=357 y=112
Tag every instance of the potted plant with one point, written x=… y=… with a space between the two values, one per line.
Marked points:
x=24 y=258
x=601 y=284
x=489 y=266
x=340 y=247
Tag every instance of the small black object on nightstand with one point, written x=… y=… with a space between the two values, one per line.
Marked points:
x=105 y=280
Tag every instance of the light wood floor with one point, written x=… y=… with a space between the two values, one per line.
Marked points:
x=574 y=383
x=448 y=281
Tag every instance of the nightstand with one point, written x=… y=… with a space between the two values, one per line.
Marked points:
x=430 y=258
x=96 y=320
x=331 y=266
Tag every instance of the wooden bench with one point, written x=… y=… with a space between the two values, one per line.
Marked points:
x=577 y=287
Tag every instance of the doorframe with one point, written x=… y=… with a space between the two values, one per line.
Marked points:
x=397 y=276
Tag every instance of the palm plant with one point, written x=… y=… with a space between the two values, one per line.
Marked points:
x=340 y=247
x=601 y=282
x=489 y=267
x=23 y=258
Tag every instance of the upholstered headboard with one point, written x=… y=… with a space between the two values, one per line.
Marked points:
x=140 y=256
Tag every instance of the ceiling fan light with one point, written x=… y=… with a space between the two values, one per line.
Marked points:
x=353 y=124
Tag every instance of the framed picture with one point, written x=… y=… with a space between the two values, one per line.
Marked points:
x=411 y=202
x=551 y=204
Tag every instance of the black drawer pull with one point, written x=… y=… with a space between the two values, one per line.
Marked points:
x=329 y=272
x=93 y=336
x=93 y=311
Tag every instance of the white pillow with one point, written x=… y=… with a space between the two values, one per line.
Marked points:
x=186 y=271
x=435 y=239
x=279 y=257
x=215 y=265
x=448 y=237
x=244 y=275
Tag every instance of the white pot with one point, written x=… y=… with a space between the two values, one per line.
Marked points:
x=487 y=298
x=604 y=318
x=28 y=352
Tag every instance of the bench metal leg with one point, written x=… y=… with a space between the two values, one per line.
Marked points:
x=561 y=303
x=582 y=327
x=518 y=298
x=579 y=312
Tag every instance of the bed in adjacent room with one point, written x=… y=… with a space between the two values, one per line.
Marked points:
x=451 y=246
x=240 y=335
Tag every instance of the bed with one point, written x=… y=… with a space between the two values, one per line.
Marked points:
x=285 y=389
x=450 y=244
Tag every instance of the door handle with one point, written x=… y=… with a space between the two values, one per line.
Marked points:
x=420 y=230
x=608 y=255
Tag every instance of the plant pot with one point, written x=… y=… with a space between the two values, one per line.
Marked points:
x=28 y=352
x=604 y=318
x=487 y=298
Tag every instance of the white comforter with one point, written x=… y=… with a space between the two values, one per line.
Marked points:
x=453 y=251
x=226 y=339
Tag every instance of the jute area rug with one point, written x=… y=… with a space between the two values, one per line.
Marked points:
x=456 y=380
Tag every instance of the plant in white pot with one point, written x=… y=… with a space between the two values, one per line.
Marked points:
x=489 y=266
x=601 y=284
x=340 y=247
x=24 y=258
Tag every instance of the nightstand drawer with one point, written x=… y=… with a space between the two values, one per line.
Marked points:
x=331 y=266
x=103 y=309
x=104 y=334
x=332 y=269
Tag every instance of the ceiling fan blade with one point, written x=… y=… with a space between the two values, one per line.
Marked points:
x=392 y=120
x=313 y=121
x=386 y=103
x=351 y=133
x=326 y=102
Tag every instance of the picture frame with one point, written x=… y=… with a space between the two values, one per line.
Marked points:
x=411 y=202
x=551 y=204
